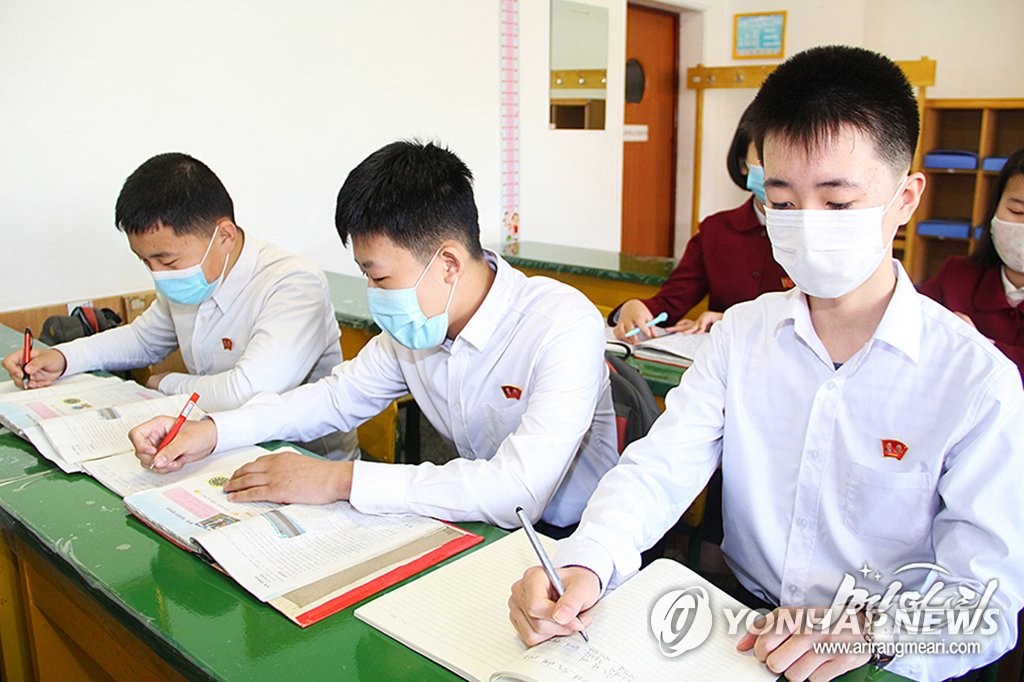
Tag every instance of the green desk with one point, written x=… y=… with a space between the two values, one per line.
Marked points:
x=606 y=277
x=78 y=549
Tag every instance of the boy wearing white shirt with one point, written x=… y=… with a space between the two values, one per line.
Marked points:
x=510 y=369
x=247 y=316
x=863 y=431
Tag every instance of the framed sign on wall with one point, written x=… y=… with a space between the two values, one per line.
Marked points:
x=759 y=35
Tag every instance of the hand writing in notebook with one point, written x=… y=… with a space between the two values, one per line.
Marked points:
x=195 y=440
x=536 y=614
x=44 y=367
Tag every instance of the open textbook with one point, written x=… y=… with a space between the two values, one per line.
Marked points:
x=458 y=616
x=671 y=349
x=307 y=561
x=84 y=417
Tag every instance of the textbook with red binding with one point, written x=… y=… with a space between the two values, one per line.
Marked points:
x=307 y=561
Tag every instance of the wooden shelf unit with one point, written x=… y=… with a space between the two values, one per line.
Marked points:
x=988 y=127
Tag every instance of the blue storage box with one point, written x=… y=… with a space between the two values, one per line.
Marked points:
x=951 y=158
x=993 y=163
x=937 y=227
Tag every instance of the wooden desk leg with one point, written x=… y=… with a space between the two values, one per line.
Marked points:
x=15 y=652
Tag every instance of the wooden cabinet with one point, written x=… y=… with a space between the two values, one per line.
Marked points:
x=983 y=127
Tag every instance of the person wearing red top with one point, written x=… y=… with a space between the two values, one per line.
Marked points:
x=986 y=289
x=729 y=259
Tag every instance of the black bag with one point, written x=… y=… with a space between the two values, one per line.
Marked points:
x=83 y=321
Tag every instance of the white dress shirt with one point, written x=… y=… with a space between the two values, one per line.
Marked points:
x=808 y=494
x=270 y=326
x=522 y=393
x=1015 y=295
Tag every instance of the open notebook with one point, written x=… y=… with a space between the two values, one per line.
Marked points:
x=458 y=617
x=307 y=561
x=671 y=349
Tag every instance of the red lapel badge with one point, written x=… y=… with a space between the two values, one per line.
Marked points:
x=894 y=448
x=227 y=343
x=512 y=392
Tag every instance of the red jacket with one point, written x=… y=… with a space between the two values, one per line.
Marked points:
x=729 y=260
x=978 y=292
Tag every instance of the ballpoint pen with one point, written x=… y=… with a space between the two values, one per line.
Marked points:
x=176 y=426
x=657 y=319
x=549 y=568
x=26 y=356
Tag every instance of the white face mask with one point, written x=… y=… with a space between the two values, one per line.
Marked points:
x=829 y=253
x=1008 y=238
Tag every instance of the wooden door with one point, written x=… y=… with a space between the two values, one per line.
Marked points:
x=649 y=167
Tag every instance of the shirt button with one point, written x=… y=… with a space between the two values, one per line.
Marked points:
x=802 y=523
x=831 y=385
x=814 y=454
x=756 y=274
x=793 y=589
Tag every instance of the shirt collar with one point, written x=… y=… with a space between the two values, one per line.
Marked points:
x=239 y=275
x=494 y=307
x=899 y=328
x=1013 y=295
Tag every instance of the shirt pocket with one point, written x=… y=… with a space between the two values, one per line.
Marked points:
x=222 y=360
x=887 y=505
x=502 y=421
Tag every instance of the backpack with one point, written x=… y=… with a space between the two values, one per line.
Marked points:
x=83 y=321
x=635 y=407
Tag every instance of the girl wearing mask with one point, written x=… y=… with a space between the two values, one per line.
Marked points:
x=729 y=259
x=986 y=288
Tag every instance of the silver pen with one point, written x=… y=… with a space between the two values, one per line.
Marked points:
x=549 y=568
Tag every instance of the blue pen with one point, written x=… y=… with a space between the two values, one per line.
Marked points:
x=660 y=317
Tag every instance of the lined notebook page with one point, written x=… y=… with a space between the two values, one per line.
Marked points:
x=458 y=615
x=622 y=648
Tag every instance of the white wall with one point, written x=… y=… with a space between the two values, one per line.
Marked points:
x=977 y=45
x=283 y=99
x=280 y=99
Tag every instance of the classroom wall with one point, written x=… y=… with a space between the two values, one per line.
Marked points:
x=282 y=99
x=976 y=45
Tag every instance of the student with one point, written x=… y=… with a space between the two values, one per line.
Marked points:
x=729 y=259
x=247 y=316
x=858 y=423
x=510 y=369
x=986 y=288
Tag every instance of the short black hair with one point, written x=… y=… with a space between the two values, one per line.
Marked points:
x=984 y=250
x=815 y=93
x=416 y=194
x=175 y=190
x=736 y=158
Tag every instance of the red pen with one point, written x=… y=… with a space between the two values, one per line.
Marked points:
x=26 y=356
x=179 y=421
